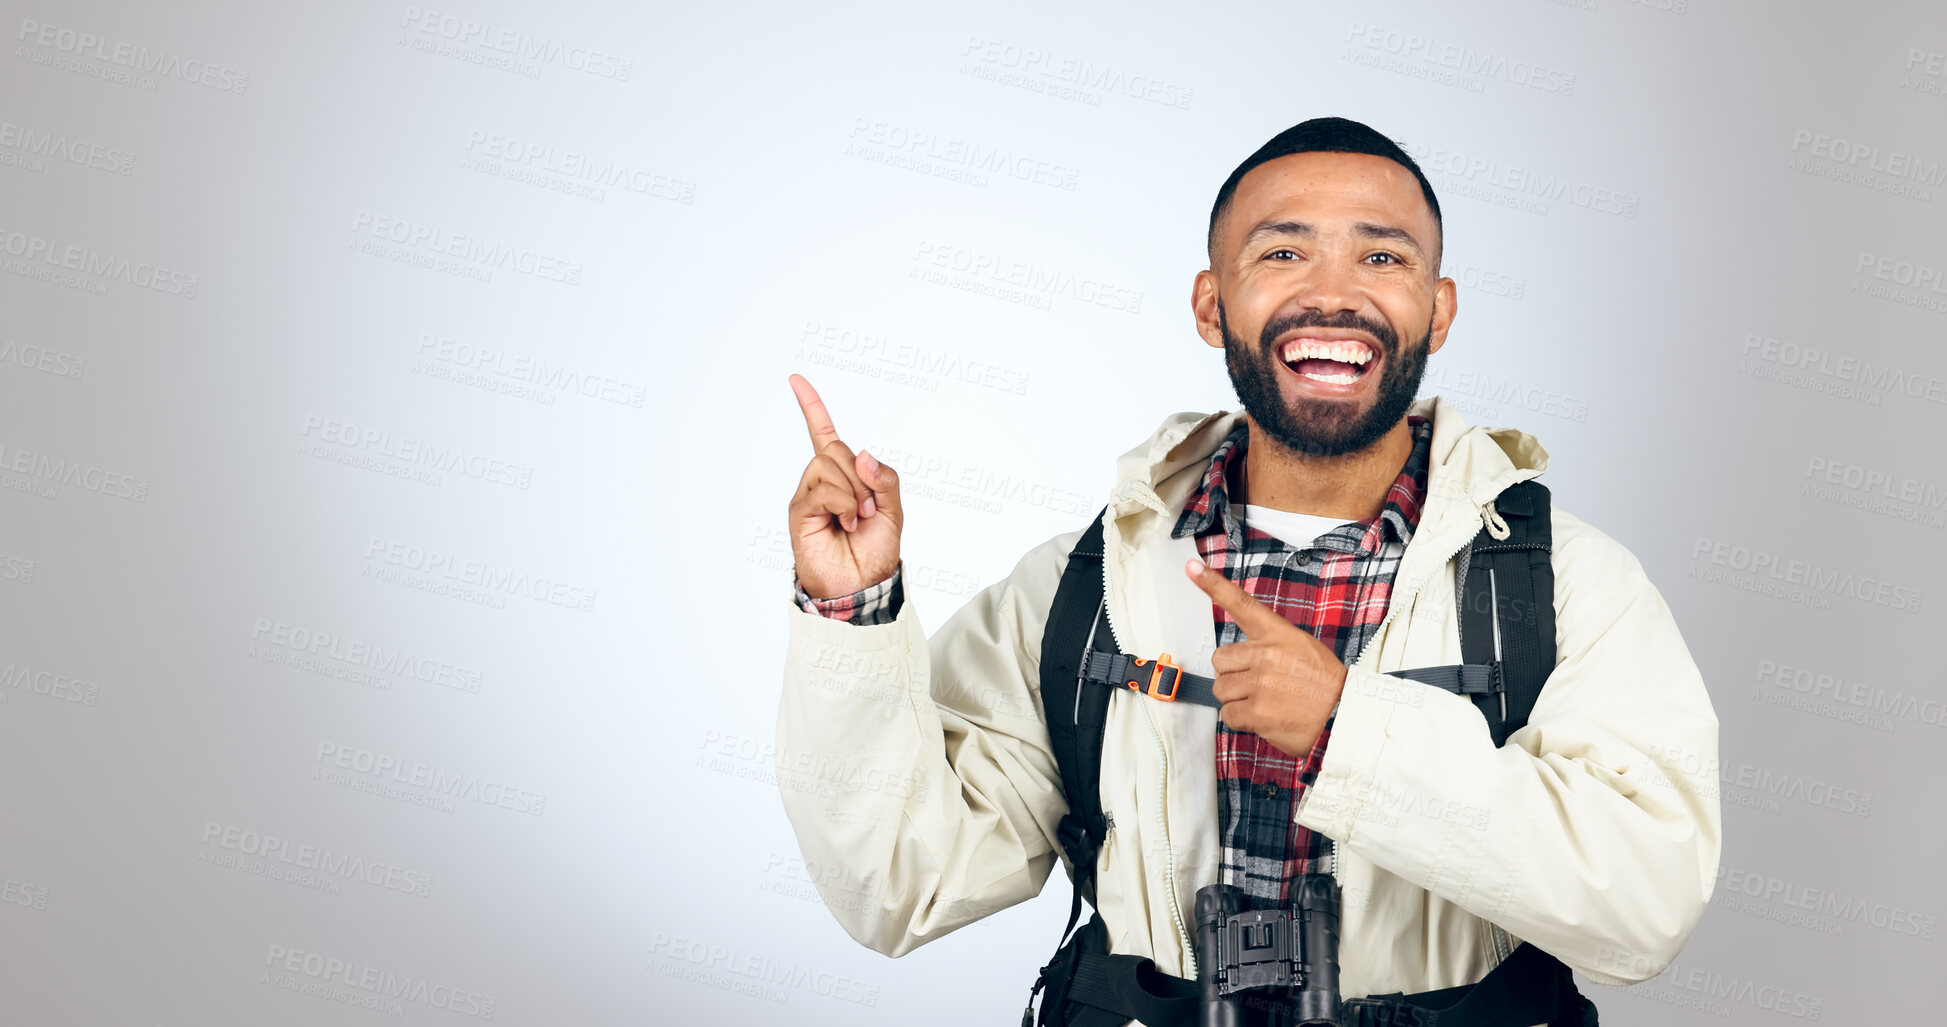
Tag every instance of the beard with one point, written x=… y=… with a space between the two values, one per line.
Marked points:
x=1323 y=427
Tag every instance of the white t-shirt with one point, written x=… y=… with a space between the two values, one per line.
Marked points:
x=1296 y=529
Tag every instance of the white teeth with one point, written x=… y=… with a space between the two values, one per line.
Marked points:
x=1344 y=352
x=1335 y=379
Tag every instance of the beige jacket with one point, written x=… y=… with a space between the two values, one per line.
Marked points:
x=918 y=776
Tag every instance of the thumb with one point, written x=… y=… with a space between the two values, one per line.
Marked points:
x=884 y=483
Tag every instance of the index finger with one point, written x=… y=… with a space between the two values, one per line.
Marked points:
x=1256 y=619
x=816 y=419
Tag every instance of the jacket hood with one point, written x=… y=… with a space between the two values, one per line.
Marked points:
x=1471 y=464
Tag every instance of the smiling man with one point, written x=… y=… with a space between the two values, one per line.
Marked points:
x=1422 y=728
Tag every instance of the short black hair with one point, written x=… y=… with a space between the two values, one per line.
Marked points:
x=1331 y=135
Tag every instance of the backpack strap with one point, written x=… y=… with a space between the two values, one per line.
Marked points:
x=1076 y=714
x=1075 y=717
x=1507 y=607
x=1506 y=658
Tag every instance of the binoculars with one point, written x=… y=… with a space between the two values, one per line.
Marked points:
x=1284 y=961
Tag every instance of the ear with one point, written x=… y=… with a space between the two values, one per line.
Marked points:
x=1445 y=301
x=1203 y=306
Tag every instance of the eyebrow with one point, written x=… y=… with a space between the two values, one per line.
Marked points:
x=1364 y=229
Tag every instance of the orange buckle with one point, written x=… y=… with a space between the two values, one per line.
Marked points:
x=1154 y=691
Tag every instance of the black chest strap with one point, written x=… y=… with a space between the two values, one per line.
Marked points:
x=1505 y=659
x=1162 y=680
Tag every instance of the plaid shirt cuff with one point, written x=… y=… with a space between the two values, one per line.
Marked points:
x=873 y=604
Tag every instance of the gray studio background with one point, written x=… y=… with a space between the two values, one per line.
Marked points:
x=395 y=444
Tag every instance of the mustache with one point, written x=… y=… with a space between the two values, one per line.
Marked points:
x=1383 y=333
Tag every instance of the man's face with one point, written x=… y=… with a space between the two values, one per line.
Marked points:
x=1322 y=262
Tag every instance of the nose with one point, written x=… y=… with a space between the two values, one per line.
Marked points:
x=1329 y=289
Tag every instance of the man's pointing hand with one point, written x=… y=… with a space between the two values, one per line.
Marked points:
x=1280 y=683
x=846 y=514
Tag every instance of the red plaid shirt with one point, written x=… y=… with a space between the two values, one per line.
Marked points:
x=1338 y=588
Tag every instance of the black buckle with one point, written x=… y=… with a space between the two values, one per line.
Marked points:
x=1259 y=949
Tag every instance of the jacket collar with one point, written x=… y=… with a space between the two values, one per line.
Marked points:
x=1470 y=465
x=1153 y=607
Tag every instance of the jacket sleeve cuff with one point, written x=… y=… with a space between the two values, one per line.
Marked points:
x=875 y=646
x=871 y=605
x=1332 y=805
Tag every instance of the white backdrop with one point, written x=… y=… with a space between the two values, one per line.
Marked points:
x=395 y=443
